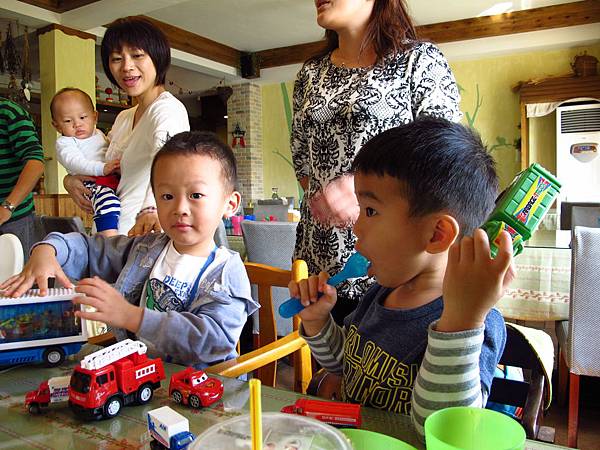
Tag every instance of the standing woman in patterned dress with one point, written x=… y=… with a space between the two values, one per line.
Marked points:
x=374 y=75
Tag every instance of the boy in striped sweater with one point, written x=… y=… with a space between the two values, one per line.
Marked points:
x=425 y=336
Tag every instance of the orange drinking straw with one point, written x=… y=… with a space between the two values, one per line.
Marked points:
x=255 y=414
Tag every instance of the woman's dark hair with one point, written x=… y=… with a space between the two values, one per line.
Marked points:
x=138 y=33
x=201 y=143
x=390 y=30
x=440 y=166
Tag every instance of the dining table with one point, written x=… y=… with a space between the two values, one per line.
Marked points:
x=57 y=427
x=541 y=289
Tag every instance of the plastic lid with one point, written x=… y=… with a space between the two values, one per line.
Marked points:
x=280 y=432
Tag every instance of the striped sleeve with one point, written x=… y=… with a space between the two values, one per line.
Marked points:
x=449 y=374
x=327 y=347
x=22 y=133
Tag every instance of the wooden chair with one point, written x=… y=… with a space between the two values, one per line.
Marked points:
x=533 y=394
x=269 y=349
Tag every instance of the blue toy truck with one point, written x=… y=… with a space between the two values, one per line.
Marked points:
x=37 y=329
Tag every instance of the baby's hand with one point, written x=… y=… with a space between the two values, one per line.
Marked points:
x=42 y=265
x=317 y=309
x=112 y=166
x=474 y=282
x=111 y=307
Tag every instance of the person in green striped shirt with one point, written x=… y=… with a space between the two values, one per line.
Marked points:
x=21 y=166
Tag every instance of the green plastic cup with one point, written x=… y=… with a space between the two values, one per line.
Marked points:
x=472 y=429
x=369 y=440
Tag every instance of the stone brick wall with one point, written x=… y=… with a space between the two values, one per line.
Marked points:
x=244 y=108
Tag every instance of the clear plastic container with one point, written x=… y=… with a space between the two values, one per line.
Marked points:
x=280 y=432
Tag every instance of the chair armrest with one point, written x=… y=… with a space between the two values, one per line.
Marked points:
x=258 y=358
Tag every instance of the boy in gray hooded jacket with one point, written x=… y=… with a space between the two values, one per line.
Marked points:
x=184 y=297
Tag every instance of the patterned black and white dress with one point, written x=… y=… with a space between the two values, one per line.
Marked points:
x=336 y=111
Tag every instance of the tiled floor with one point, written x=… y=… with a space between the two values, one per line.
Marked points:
x=589 y=413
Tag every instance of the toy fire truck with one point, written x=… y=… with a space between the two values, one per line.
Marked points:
x=113 y=377
x=194 y=387
x=338 y=414
x=53 y=390
x=521 y=207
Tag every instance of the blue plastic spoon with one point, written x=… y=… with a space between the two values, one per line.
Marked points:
x=356 y=266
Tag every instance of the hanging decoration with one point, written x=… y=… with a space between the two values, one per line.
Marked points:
x=17 y=92
x=11 y=56
x=238 y=136
x=180 y=90
x=26 y=67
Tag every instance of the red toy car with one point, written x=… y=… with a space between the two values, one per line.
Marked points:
x=338 y=414
x=192 y=386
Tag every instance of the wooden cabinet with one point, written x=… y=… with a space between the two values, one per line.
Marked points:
x=557 y=89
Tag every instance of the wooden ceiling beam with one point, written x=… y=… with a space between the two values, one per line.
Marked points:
x=557 y=16
x=197 y=45
x=536 y=19
x=59 y=6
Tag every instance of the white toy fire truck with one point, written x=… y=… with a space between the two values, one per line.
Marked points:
x=113 y=377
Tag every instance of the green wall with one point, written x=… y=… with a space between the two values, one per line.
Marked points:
x=277 y=158
x=488 y=104
x=488 y=83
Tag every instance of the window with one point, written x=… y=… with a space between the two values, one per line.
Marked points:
x=102 y=379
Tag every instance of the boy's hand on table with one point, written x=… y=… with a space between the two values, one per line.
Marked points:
x=316 y=309
x=42 y=265
x=474 y=282
x=111 y=307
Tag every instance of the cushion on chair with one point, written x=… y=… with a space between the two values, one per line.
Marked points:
x=62 y=224
x=271 y=243
x=583 y=357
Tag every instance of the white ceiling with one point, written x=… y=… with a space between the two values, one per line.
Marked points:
x=252 y=25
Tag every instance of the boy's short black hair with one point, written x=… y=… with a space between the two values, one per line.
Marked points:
x=70 y=89
x=202 y=143
x=440 y=166
x=140 y=33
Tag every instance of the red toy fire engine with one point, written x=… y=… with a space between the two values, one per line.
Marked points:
x=338 y=414
x=192 y=386
x=113 y=377
x=53 y=390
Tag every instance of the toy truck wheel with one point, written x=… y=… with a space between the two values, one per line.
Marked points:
x=34 y=408
x=53 y=356
x=195 y=402
x=112 y=407
x=144 y=394
x=177 y=397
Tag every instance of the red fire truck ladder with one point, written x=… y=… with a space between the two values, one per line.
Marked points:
x=113 y=353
